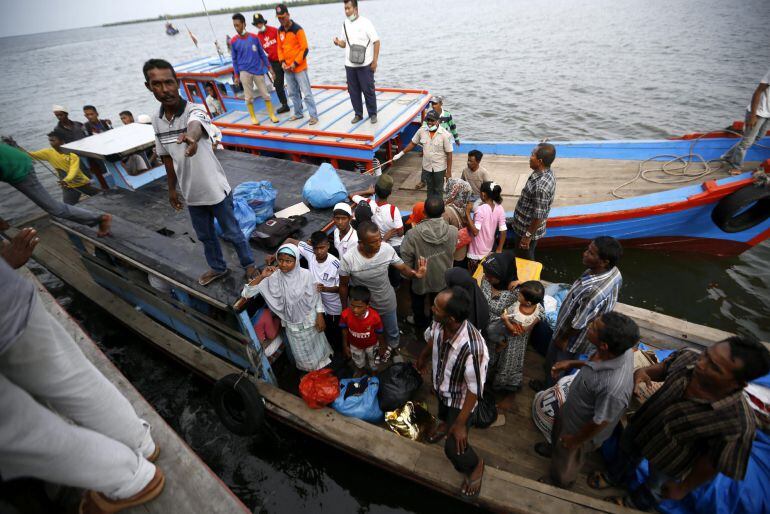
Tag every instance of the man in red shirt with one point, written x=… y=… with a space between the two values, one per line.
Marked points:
x=268 y=36
x=362 y=331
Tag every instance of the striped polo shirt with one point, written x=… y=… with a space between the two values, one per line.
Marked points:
x=600 y=392
x=459 y=364
x=201 y=179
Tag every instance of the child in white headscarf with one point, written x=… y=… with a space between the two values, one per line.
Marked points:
x=291 y=294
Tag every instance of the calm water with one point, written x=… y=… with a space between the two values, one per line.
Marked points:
x=509 y=70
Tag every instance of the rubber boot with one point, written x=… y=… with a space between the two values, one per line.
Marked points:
x=254 y=120
x=270 y=111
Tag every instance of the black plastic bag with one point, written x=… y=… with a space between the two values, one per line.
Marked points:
x=486 y=411
x=397 y=385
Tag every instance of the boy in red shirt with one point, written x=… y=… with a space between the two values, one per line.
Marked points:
x=362 y=331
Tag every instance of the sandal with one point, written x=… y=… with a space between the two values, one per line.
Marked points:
x=378 y=361
x=294 y=117
x=211 y=275
x=420 y=185
x=598 y=481
x=543 y=449
x=621 y=501
x=735 y=171
x=473 y=483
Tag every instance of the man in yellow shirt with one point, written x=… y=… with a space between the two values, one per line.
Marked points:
x=71 y=178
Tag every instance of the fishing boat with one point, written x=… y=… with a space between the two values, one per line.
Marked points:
x=660 y=194
x=171 y=30
x=145 y=275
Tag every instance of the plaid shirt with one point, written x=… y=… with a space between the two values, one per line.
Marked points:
x=590 y=296
x=459 y=364
x=534 y=203
x=672 y=431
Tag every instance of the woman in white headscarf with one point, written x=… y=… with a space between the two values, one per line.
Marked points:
x=291 y=294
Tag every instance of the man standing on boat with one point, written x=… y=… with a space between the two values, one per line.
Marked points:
x=459 y=366
x=292 y=52
x=268 y=36
x=179 y=126
x=436 y=154
x=250 y=65
x=362 y=50
x=593 y=294
x=534 y=204
x=67 y=129
x=754 y=128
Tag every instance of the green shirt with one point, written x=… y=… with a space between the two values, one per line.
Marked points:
x=15 y=165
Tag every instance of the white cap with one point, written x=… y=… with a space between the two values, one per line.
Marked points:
x=59 y=108
x=342 y=206
x=144 y=118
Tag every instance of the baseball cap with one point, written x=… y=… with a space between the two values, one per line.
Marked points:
x=281 y=9
x=432 y=115
x=258 y=18
x=342 y=206
x=437 y=100
x=385 y=182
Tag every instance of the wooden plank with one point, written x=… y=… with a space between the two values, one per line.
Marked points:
x=190 y=485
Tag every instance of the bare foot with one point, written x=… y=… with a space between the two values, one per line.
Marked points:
x=472 y=484
x=104 y=225
x=735 y=171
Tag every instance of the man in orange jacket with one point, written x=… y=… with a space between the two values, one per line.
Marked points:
x=292 y=52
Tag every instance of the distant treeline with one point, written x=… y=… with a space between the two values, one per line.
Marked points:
x=246 y=8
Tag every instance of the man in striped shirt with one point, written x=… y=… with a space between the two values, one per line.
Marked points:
x=460 y=359
x=445 y=117
x=594 y=293
x=598 y=396
x=696 y=425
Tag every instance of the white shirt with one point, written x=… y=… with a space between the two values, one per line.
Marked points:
x=326 y=273
x=347 y=243
x=359 y=32
x=381 y=216
x=763 y=107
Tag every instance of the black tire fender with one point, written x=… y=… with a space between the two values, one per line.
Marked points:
x=742 y=209
x=239 y=405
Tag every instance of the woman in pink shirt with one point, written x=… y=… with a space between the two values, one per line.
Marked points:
x=487 y=219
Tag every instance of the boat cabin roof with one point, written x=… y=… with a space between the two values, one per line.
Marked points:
x=114 y=144
x=205 y=67
x=155 y=238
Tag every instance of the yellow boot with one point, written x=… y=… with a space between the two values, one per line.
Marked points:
x=270 y=111
x=254 y=119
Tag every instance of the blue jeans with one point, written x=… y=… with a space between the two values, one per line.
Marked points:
x=202 y=217
x=736 y=154
x=390 y=324
x=31 y=187
x=299 y=87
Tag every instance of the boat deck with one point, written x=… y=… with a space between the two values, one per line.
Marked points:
x=334 y=136
x=190 y=485
x=578 y=180
x=161 y=241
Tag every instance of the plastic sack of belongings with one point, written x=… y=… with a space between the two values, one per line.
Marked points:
x=358 y=399
x=412 y=420
x=259 y=196
x=319 y=388
x=324 y=189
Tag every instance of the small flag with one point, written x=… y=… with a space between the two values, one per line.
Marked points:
x=192 y=36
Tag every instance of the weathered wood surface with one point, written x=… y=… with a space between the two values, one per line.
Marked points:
x=578 y=181
x=190 y=485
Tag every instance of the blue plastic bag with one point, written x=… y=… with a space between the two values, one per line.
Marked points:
x=324 y=188
x=247 y=220
x=259 y=196
x=364 y=406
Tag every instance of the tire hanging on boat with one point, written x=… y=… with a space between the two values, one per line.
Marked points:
x=742 y=209
x=239 y=404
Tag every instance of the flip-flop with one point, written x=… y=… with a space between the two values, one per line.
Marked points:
x=621 y=501
x=598 y=481
x=436 y=435
x=470 y=483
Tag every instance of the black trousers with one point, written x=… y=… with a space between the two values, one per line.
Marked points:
x=333 y=332
x=465 y=462
x=421 y=319
x=520 y=252
x=361 y=81
x=278 y=82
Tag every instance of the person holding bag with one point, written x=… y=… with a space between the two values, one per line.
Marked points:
x=363 y=49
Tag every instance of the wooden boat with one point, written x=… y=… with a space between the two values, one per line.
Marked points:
x=705 y=212
x=145 y=275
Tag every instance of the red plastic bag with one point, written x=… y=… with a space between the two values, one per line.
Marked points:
x=463 y=238
x=319 y=388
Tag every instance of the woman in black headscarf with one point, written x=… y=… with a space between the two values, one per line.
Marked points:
x=496 y=287
x=479 y=316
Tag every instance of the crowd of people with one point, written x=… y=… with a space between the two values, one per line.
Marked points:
x=474 y=315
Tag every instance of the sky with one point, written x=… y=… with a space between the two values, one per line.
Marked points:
x=32 y=16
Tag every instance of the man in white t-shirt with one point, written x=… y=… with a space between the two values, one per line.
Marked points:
x=325 y=269
x=756 y=125
x=345 y=237
x=386 y=216
x=360 y=66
